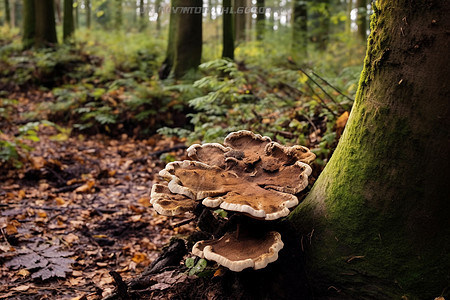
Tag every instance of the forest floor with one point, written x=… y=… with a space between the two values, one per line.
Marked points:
x=78 y=210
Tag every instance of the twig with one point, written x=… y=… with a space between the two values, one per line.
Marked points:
x=322 y=102
x=333 y=87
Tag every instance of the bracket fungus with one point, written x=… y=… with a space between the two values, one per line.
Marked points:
x=249 y=174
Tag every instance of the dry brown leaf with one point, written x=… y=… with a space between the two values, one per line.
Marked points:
x=21 y=288
x=136 y=218
x=102 y=264
x=70 y=238
x=60 y=201
x=23 y=273
x=11 y=229
x=21 y=194
x=85 y=187
x=139 y=257
x=77 y=273
x=144 y=201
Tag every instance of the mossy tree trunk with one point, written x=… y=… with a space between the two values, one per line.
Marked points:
x=45 y=23
x=29 y=23
x=68 y=23
x=166 y=67
x=228 y=30
x=260 y=19
x=188 y=43
x=361 y=19
x=142 y=17
x=376 y=221
x=299 y=29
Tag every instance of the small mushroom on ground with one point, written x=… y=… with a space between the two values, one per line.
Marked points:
x=249 y=174
x=240 y=252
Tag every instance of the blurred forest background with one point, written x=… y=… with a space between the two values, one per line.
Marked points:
x=286 y=69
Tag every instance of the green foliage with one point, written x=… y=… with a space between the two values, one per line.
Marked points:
x=199 y=268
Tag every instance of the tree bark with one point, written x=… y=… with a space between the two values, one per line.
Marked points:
x=7 y=13
x=260 y=19
x=68 y=23
x=376 y=221
x=29 y=23
x=158 y=18
x=239 y=19
x=323 y=30
x=45 y=23
x=299 y=29
x=166 y=67
x=361 y=19
x=87 y=4
x=228 y=32
x=188 y=44
x=58 y=11
x=348 y=20
x=142 y=18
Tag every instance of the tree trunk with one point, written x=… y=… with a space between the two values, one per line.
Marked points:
x=142 y=18
x=29 y=23
x=58 y=11
x=323 y=30
x=249 y=21
x=260 y=19
x=87 y=4
x=118 y=20
x=299 y=29
x=12 y=10
x=166 y=67
x=228 y=32
x=158 y=18
x=76 y=12
x=7 y=13
x=188 y=44
x=45 y=23
x=361 y=19
x=348 y=20
x=239 y=19
x=376 y=221
x=68 y=23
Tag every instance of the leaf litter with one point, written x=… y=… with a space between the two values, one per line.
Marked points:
x=78 y=210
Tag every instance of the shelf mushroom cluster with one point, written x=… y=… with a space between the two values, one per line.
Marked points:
x=249 y=174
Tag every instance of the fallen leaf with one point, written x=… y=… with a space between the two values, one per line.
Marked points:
x=11 y=229
x=60 y=201
x=70 y=238
x=85 y=187
x=23 y=273
x=144 y=201
x=20 y=288
x=139 y=257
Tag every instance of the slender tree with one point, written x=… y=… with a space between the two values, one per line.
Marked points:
x=240 y=19
x=158 y=18
x=7 y=13
x=348 y=20
x=299 y=28
x=58 y=11
x=376 y=222
x=361 y=19
x=188 y=43
x=68 y=23
x=228 y=30
x=142 y=18
x=87 y=5
x=260 y=19
x=29 y=23
x=323 y=29
x=45 y=23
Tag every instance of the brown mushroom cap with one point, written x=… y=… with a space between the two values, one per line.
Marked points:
x=241 y=252
x=250 y=174
x=168 y=204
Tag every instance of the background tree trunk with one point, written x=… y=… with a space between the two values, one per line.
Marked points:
x=58 y=11
x=12 y=11
x=361 y=19
x=7 y=13
x=239 y=20
x=45 y=23
x=188 y=44
x=323 y=30
x=348 y=20
x=376 y=221
x=29 y=23
x=87 y=4
x=299 y=29
x=158 y=18
x=142 y=17
x=228 y=32
x=167 y=65
x=260 y=19
x=68 y=23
